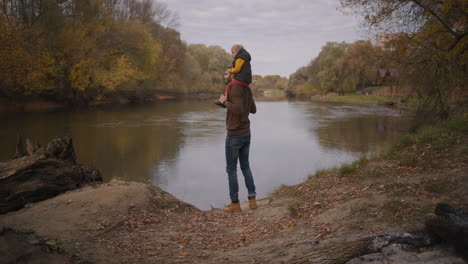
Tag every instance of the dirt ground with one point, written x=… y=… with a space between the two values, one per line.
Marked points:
x=128 y=222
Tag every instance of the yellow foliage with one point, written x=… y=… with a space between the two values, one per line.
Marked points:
x=306 y=89
x=120 y=72
x=81 y=75
x=23 y=66
x=152 y=51
x=87 y=49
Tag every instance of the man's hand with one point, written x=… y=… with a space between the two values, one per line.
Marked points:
x=222 y=99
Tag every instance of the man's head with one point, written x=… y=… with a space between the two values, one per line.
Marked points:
x=235 y=49
x=228 y=75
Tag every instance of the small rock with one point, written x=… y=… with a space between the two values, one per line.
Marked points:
x=33 y=241
x=51 y=242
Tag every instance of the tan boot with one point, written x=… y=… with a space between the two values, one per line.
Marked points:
x=253 y=204
x=233 y=207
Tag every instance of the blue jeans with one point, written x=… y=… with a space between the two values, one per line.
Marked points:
x=237 y=147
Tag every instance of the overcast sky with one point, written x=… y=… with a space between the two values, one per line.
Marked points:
x=281 y=35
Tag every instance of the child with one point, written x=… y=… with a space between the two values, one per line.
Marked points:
x=241 y=69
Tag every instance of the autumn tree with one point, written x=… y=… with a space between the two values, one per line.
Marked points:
x=26 y=63
x=358 y=65
x=260 y=84
x=79 y=51
x=431 y=52
x=204 y=68
x=339 y=67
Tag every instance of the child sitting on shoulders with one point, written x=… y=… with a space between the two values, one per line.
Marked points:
x=241 y=69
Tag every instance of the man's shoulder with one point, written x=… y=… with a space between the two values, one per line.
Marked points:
x=239 y=88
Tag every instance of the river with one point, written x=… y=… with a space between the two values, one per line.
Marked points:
x=179 y=145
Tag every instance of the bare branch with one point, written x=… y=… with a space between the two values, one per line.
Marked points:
x=444 y=23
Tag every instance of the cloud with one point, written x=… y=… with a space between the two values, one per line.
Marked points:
x=281 y=35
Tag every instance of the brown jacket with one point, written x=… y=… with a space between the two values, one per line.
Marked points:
x=240 y=104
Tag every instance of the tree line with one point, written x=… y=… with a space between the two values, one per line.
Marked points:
x=260 y=84
x=429 y=54
x=339 y=67
x=79 y=51
x=89 y=50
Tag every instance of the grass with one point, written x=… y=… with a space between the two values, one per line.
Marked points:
x=406 y=141
x=293 y=209
x=292 y=191
x=411 y=148
x=348 y=169
x=51 y=245
x=429 y=134
x=320 y=173
x=396 y=149
x=457 y=124
x=282 y=189
x=55 y=246
x=373 y=88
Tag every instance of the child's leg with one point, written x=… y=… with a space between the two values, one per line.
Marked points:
x=228 y=89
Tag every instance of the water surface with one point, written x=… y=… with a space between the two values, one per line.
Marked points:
x=179 y=146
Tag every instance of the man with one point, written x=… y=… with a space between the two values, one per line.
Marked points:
x=239 y=103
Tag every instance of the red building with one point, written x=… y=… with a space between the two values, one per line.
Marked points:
x=381 y=39
x=386 y=77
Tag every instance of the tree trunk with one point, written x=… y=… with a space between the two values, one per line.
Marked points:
x=451 y=226
x=38 y=173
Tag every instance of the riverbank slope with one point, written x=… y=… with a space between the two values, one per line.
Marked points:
x=127 y=222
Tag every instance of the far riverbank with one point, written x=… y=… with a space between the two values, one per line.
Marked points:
x=38 y=104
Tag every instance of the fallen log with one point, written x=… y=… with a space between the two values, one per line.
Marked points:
x=451 y=226
x=341 y=252
x=38 y=173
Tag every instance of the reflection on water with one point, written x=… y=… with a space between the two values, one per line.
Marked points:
x=361 y=129
x=179 y=146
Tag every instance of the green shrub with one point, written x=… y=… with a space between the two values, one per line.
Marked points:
x=429 y=134
x=347 y=169
x=459 y=124
x=406 y=141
